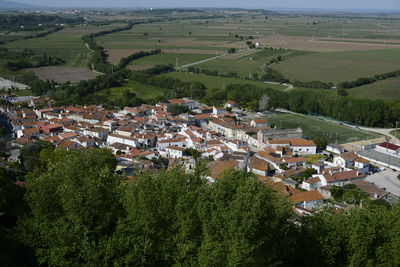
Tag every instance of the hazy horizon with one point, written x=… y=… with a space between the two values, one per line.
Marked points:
x=272 y=4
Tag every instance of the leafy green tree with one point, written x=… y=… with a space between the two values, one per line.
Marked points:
x=238 y=221
x=74 y=209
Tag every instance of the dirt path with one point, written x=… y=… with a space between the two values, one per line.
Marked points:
x=244 y=51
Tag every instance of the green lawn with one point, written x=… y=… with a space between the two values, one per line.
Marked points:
x=340 y=66
x=313 y=128
x=387 y=90
x=169 y=58
x=219 y=82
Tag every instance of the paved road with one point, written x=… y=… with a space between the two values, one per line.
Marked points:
x=386 y=179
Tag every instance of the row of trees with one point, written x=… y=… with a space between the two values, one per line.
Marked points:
x=99 y=56
x=126 y=60
x=369 y=80
x=33 y=22
x=82 y=214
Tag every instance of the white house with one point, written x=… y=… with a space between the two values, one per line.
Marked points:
x=175 y=152
x=308 y=200
x=96 y=132
x=219 y=111
x=126 y=140
x=311 y=184
x=177 y=142
x=256 y=123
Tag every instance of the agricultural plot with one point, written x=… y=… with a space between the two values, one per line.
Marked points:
x=63 y=74
x=219 y=82
x=339 y=66
x=65 y=44
x=387 y=90
x=313 y=128
x=245 y=65
x=169 y=58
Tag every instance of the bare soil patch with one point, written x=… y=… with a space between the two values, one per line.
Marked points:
x=63 y=74
x=309 y=44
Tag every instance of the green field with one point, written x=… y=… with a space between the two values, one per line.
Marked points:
x=65 y=44
x=145 y=92
x=339 y=66
x=219 y=82
x=170 y=58
x=387 y=90
x=245 y=65
x=313 y=128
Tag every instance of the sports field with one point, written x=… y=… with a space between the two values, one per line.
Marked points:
x=313 y=128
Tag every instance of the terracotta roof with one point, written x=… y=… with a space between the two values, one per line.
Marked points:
x=66 y=144
x=313 y=180
x=301 y=142
x=307 y=196
x=350 y=156
x=260 y=121
x=286 y=190
x=217 y=168
x=343 y=176
x=372 y=190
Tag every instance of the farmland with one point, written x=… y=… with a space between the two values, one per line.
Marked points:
x=387 y=90
x=313 y=128
x=65 y=44
x=340 y=66
x=219 y=82
x=63 y=74
x=169 y=58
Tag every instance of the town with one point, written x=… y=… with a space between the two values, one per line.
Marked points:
x=180 y=132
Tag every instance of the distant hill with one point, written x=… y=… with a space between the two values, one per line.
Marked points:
x=15 y=5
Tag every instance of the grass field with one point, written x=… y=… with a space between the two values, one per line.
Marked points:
x=145 y=92
x=219 y=82
x=387 y=90
x=340 y=66
x=313 y=128
x=65 y=44
x=170 y=58
x=246 y=65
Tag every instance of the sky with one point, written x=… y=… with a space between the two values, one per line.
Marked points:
x=293 y=4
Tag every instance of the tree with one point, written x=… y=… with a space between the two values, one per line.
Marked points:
x=29 y=154
x=342 y=92
x=177 y=109
x=74 y=209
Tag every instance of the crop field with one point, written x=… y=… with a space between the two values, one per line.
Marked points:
x=245 y=65
x=313 y=128
x=339 y=66
x=387 y=90
x=65 y=44
x=63 y=74
x=170 y=58
x=219 y=82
